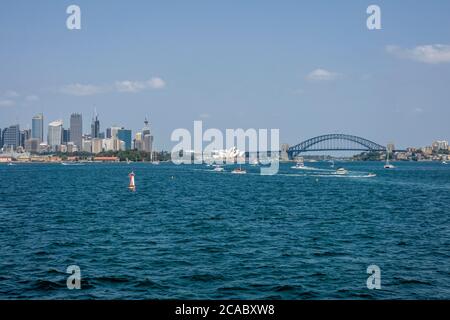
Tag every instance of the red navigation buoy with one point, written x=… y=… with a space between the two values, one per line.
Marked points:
x=132 y=185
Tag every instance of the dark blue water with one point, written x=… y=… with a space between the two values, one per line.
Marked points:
x=191 y=233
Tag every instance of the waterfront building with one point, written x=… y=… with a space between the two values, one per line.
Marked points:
x=125 y=136
x=76 y=129
x=37 y=127
x=55 y=134
x=24 y=136
x=32 y=145
x=439 y=145
x=97 y=145
x=112 y=144
x=11 y=137
x=71 y=147
x=87 y=146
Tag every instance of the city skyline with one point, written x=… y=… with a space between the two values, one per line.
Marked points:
x=299 y=67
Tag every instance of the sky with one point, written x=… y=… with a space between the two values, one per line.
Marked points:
x=304 y=67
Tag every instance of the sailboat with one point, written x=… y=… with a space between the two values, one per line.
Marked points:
x=387 y=164
x=153 y=161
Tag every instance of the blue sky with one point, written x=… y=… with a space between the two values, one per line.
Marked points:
x=305 y=67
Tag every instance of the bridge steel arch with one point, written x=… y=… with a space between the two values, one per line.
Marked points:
x=332 y=142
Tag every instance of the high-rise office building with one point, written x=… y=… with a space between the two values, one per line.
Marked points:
x=76 y=129
x=95 y=126
x=66 y=136
x=125 y=136
x=55 y=134
x=113 y=131
x=11 y=137
x=24 y=136
x=37 y=127
x=147 y=138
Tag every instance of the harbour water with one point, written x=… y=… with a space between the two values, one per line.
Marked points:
x=191 y=233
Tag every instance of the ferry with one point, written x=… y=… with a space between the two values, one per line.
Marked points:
x=341 y=171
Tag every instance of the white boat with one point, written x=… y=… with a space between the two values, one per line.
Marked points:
x=387 y=164
x=341 y=171
x=71 y=164
x=155 y=162
x=444 y=162
x=218 y=169
x=239 y=171
x=332 y=164
x=299 y=165
x=255 y=162
x=11 y=164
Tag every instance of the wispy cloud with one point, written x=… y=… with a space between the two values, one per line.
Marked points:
x=322 y=75
x=11 y=94
x=79 y=89
x=433 y=54
x=128 y=86
x=7 y=103
x=136 y=86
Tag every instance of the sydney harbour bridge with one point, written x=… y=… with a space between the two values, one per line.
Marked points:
x=335 y=142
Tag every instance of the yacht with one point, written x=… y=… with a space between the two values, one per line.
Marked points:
x=444 y=162
x=387 y=164
x=239 y=171
x=255 y=162
x=299 y=165
x=341 y=171
x=218 y=169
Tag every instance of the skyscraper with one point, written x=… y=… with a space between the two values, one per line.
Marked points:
x=125 y=136
x=54 y=134
x=11 y=137
x=76 y=129
x=95 y=126
x=24 y=136
x=37 y=127
x=66 y=136
x=147 y=138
